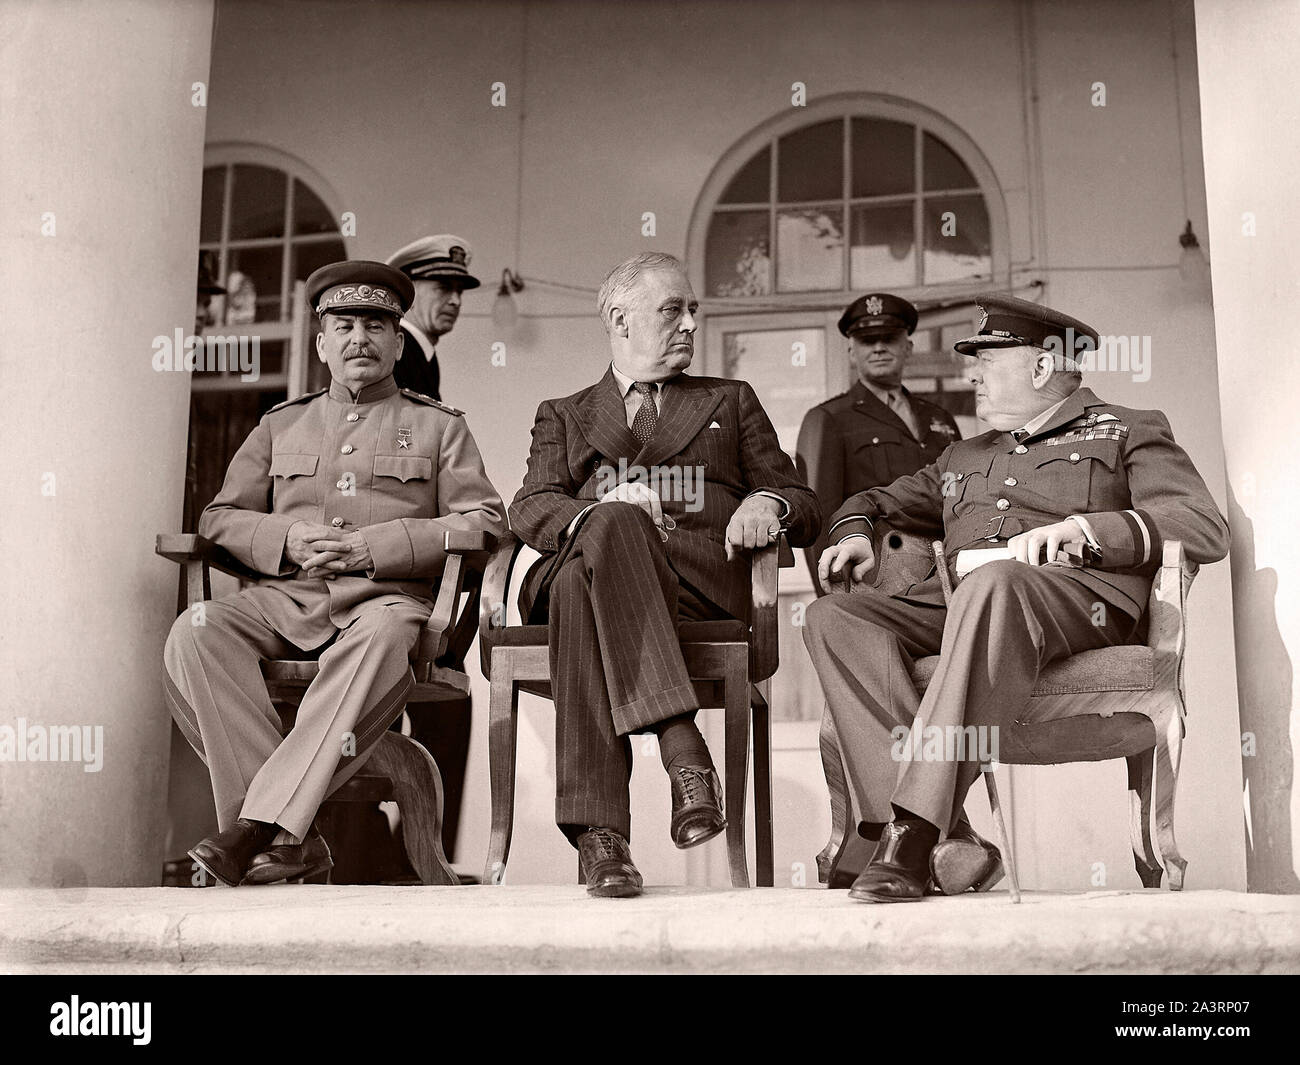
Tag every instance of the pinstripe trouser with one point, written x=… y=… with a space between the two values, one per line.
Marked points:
x=217 y=696
x=612 y=602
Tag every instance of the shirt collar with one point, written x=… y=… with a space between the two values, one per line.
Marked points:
x=1034 y=424
x=882 y=394
x=625 y=383
x=421 y=338
x=371 y=393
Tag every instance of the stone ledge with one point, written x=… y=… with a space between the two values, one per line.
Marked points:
x=539 y=929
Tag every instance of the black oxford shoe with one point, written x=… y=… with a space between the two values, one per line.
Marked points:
x=227 y=854
x=290 y=861
x=697 y=805
x=965 y=862
x=607 y=865
x=899 y=868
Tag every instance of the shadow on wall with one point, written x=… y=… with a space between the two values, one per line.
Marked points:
x=1264 y=679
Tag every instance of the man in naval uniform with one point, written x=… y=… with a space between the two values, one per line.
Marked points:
x=342 y=500
x=1060 y=469
x=438 y=267
x=876 y=431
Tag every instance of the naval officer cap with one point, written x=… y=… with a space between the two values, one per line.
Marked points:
x=1007 y=322
x=442 y=258
x=876 y=313
x=360 y=286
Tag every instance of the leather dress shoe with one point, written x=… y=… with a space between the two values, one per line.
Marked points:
x=899 y=868
x=964 y=862
x=697 y=805
x=291 y=861
x=227 y=854
x=607 y=864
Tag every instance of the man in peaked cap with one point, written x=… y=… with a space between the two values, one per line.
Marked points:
x=877 y=430
x=1059 y=469
x=438 y=266
x=340 y=500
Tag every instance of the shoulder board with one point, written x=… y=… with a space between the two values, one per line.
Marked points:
x=299 y=399
x=420 y=397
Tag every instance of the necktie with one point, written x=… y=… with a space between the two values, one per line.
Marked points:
x=903 y=409
x=643 y=425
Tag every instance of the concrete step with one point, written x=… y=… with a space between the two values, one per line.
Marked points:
x=547 y=929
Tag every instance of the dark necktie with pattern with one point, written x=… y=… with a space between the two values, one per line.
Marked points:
x=647 y=416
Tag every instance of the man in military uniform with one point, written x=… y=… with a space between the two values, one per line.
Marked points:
x=342 y=500
x=439 y=268
x=877 y=430
x=1061 y=469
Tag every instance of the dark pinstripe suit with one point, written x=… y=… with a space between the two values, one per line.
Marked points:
x=613 y=591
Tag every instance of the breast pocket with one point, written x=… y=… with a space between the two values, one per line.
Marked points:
x=875 y=459
x=402 y=488
x=965 y=483
x=288 y=465
x=1075 y=476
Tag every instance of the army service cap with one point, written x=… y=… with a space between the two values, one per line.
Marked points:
x=439 y=258
x=876 y=313
x=360 y=286
x=1007 y=322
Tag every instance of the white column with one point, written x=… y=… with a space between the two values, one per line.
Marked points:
x=1250 y=113
x=99 y=208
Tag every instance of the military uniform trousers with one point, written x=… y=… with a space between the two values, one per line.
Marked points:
x=218 y=697
x=612 y=602
x=1007 y=620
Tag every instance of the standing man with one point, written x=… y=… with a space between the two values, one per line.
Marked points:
x=439 y=268
x=1060 y=469
x=877 y=430
x=341 y=499
x=645 y=492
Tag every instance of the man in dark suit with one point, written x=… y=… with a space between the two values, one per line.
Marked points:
x=1061 y=470
x=877 y=430
x=644 y=492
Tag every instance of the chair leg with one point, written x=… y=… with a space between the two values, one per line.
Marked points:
x=1168 y=757
x=503 y=734
x=417 y=788
x=762 y=725
x=736 y=725
x=1000 y=828
x=1140 y=772
x=838 y=787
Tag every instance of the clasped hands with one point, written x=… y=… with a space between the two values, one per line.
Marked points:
x=756 y=522
x=1032 y=547
x=322 y=551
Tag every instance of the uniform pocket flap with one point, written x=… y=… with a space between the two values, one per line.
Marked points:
x=1104 y=451
x=875 y=438
x=404 y=467
x=286 y=465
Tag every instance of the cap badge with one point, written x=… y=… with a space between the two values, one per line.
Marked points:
x=457 y=255
x=874 y=305
x=984 y=320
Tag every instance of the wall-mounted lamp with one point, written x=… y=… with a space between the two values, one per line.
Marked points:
x=1191 y=264
x=504 y=311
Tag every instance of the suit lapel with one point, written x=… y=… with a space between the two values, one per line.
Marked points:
x=603 y=418
x=687 y=404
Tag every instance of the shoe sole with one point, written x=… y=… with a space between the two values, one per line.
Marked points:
x=971 y=867
x=871 y=896
x=210 y=871
x=622 y=891
x=313 y=870
x=695 y=841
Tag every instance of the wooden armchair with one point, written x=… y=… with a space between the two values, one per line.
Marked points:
x=1114 y=702
x=729 y=663
x=399 y=770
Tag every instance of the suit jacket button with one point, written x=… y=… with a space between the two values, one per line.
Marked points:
x=1003 y=504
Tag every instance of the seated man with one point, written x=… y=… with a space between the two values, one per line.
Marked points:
x=644 y=491
x=1061 y=469
x=342 y=498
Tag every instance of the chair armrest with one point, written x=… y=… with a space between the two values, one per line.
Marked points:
x=765 y=564
x=902 y=559
x=1166 y=610
x=191 y=547
x=467 y=541
x=461 y=545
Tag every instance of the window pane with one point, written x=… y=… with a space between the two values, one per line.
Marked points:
x=309 y=214
x=958 y=246
x=258 y=202
x=214 y=192
x=254 y=295
x=308 y=256
x=811 y=163
x=810 y=249
x=884 y=157
x=883 y=252
x=737 y=260
x=762 y=357
x=943 y=170
x=751 y=185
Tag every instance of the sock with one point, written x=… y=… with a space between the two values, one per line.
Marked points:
x=928 y=832
x=680 y=742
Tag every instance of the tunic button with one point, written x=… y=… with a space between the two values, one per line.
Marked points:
x=875 y=439
x=346 y=449
x=337 y=523
x=1011 y=482
x=960 y=476
x=1021 y=449
x=1003 y=504
x=1074 y=456
x=342 y=486
x=353 y=416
